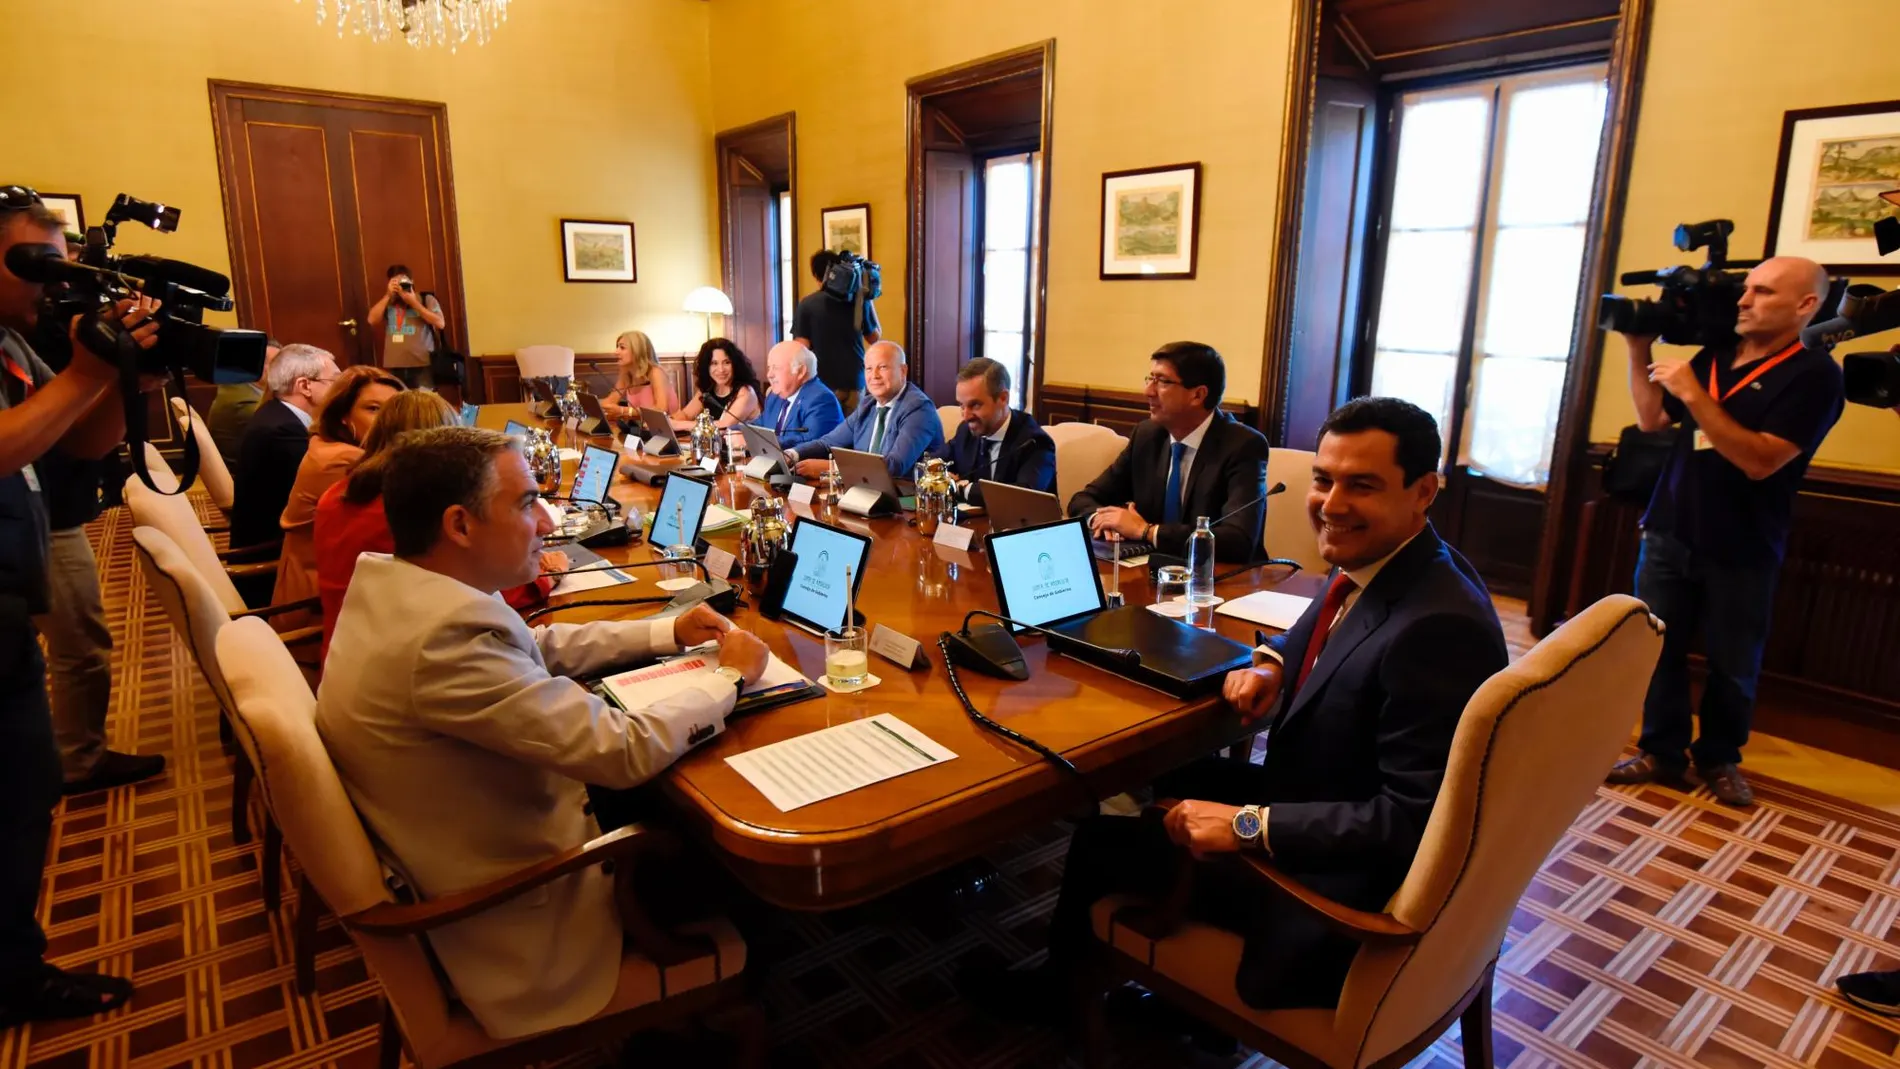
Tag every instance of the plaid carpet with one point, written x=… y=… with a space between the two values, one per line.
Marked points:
x=1664 y=931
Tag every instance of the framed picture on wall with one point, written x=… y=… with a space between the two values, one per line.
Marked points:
x=1151 y=222
x=1835 y=165
x=848 y=229
x=594 y=250
x=68 y=207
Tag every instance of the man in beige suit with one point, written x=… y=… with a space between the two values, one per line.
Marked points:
x=463 y=743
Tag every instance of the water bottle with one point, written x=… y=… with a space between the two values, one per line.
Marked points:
x=1200 y=562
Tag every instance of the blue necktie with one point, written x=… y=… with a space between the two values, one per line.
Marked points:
x=1171 y=507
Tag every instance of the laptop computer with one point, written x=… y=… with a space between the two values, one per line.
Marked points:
x=1046 y=576
x=1011 y=506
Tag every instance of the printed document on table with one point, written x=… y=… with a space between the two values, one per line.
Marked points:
x=835 y=760
x=646 y=685
x=1268 y=608
x=591 y=577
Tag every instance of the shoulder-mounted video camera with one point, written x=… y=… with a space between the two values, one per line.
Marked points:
x=88 y=286
x=1871 y=378
x=851 y=275
x=1697 y=305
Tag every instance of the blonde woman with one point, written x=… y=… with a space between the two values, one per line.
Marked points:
x=639 y=383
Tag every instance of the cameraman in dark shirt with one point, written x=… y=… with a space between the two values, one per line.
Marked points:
x=829 y=327
x=1717 y=524
x=79 y=412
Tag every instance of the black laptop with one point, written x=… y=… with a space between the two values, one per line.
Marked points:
x=1045 y=575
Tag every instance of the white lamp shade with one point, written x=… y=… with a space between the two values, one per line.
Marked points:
x=709 y=300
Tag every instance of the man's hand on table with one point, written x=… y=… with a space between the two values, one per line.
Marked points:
x=699 y=625
x=1252 y=691
x=812 y=469
x=737 y=649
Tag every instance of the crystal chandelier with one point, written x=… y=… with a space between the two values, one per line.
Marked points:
x=419 y=22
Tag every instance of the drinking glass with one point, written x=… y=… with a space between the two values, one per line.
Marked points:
x=680 y=566
x=1171 y=586
x=847 y=659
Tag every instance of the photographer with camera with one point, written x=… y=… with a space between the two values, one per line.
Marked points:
x=834 y=329
x=410 y=322
x=78 y=413
x=1751 y=414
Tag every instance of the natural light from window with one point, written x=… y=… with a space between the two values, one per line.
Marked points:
x=786 y=302
x=1008 y=184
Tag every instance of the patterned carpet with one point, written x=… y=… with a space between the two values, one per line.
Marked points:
x=1664 y=931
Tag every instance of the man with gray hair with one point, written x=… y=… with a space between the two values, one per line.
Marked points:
x=896 y=421
x=794 y=412
x=995 y=442
x=274 y=442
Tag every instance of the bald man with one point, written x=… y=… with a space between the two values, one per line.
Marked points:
x=896 y=419
x=1717 y=525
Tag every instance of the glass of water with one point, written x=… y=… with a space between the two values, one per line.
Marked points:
x=847 y=659
x=1171 y=589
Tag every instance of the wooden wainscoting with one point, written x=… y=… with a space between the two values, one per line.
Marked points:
x=500 y=378
x=1118 y=410
x=1831 y=673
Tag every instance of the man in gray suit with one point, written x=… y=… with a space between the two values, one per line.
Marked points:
x=464 y=744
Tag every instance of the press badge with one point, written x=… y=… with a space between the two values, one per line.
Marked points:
x=1702 y=440
x=32 y=478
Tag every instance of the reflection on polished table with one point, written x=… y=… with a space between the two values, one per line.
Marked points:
x=870 y=841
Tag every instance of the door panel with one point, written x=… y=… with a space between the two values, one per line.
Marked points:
x=949 y=259
x=755 y=261
x=322 y=193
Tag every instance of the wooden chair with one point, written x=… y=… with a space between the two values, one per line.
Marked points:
x=1530 y=752
x=1288 y=533
x=1083 y=451
x=701 y=971
x=198 y=616
x=212 y=472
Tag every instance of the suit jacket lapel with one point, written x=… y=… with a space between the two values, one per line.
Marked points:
x=1204 y=466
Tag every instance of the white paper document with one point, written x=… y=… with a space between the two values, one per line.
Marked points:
x=643 y=686
x=1268 y=608
x=836 y=760
x=719 y=518
x=592 y=577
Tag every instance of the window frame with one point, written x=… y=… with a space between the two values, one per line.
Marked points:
x=1023 y=370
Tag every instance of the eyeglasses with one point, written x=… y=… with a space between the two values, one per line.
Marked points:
x=1159 y=380
x=18 y=197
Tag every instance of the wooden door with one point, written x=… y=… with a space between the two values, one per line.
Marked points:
x=754 y=265
x=322 y=193
x=947 y=339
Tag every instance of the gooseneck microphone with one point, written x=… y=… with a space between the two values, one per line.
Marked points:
x=991 y=649
x=1278 y=488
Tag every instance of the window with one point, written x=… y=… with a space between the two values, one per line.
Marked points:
x=786 y=289
x=1484 y=255
x=1009 y=263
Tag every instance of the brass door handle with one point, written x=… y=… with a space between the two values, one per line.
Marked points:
x=350 y=323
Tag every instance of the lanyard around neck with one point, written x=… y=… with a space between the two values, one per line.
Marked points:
x=1761 y=369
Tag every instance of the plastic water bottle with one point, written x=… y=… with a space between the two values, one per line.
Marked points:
x=1200 y=562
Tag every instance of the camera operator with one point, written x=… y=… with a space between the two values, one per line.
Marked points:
x=78 y=412
x=1717 y=525
x=410 y=322
x=829 y=327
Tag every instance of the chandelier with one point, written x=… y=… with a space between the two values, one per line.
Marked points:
x=419 y=22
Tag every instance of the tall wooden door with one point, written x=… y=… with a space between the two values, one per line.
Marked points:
x=947 y=337
x=754 y=266
x=322 y=193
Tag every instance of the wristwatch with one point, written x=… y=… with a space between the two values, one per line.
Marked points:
x=1248 y=826
x=731 y=675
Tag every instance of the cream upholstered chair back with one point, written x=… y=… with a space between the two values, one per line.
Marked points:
x=194 y=611
x=952 y=417
x=1288 y=533
x=1530 y=752
x=212 y=474
x=319 y=824
x=161 y=472
x=1083 y=451
x=174 y=515
x=545 y=361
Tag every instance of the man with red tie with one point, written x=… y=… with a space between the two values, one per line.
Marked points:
x=1361 y=699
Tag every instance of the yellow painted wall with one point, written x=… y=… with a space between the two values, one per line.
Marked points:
x=1138 y=84
x=595 y=109
x=1720 y=75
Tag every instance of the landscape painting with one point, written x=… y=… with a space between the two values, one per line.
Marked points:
x=1850 y=177
x=595 y=250
x=1836 y=169
x=1150 y=222
x=848 y=229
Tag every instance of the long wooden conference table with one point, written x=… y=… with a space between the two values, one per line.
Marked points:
x=865 y=843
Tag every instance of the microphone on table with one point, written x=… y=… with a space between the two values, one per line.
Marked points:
x=991 y=649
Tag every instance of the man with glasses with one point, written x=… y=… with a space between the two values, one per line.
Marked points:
x=78 y=414
x=275 y=441
x=1188 y=459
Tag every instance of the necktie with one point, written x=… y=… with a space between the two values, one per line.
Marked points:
x=1328 y=609
x=877 y=433
x=984 y=448
x=783 y=413
x=1171 y=505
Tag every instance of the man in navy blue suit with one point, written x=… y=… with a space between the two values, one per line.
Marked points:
x=798 y=408
x=995 y=441
x=897 y=421
x=1362 y=698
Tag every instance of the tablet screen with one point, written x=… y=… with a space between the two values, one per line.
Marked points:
x=682 y=506
x=817 y=594
x=517 y=429
x=595 y=473
x=1046 y=573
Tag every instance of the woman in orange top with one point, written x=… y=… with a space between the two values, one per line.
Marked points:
x=640 y=382
x=350 y=520
x=349 y=410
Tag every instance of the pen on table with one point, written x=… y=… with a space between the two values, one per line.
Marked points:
x=907 y=743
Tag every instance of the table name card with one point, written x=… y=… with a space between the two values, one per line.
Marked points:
x=898 y=648
x=718 y=562
x=954 y=536
x=802 y=493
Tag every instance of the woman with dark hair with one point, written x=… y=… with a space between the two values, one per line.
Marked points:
x=726 y=384
x=336 y=435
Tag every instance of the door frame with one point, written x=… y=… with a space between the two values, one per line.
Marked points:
x=723 y=147
x=1013 y=63
x=225 y=95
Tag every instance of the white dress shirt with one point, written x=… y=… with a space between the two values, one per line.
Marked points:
x=996 y=450
x=305 y=417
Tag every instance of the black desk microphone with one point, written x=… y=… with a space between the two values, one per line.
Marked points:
x=991 y=649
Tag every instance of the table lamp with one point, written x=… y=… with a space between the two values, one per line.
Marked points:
x=709 y=302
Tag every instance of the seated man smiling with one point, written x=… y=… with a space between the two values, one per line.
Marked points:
x=465 y=745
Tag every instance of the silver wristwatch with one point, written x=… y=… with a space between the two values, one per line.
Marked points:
x=1249 y=826
x=731 y=675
